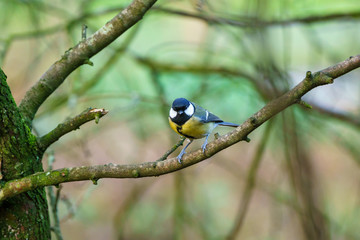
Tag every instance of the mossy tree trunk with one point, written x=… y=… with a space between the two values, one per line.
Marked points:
x=24 y=216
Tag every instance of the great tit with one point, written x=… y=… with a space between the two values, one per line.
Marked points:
x=192 y=121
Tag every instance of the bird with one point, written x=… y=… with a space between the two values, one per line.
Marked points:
x=193 y=122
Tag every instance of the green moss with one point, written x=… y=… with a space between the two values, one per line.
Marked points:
x=135 y=173
x=31 y=138
x=24 y=216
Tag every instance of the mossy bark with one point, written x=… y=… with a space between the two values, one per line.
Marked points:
x=24 y=216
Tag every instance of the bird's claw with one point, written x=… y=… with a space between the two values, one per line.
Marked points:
x=203 y=147
x=179 y=157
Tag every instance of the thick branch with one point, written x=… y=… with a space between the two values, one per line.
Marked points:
x=79 y=55
x=70 y=125
x=326 y=76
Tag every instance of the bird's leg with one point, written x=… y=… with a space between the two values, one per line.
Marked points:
x=183 y=151
x=203 y=147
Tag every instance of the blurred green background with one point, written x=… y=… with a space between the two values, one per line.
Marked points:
x=299 y=176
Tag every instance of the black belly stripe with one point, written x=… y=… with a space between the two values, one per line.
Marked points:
x=179 y=128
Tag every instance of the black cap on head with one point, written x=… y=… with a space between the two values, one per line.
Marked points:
x=180 y=104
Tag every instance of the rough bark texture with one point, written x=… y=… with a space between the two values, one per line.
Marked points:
x=24 y=216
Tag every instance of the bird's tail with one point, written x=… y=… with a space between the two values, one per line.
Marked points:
x=228 y=124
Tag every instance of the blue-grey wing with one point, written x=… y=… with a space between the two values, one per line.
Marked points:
x=205 y=116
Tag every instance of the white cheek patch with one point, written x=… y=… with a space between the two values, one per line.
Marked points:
x=207 y=115
x=190 y=110
x=172 y=113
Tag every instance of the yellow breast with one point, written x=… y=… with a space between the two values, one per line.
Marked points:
x=192 y=128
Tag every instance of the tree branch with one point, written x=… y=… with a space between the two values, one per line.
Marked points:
x=157 y=168
x=253 y=22
x=70 y=125
x=171 y=150
x=79 y=55
x=339 y=115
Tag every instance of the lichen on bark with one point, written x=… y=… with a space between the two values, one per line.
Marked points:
x=25 y=216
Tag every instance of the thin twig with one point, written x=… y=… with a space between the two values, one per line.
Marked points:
x=54 y=200
x=70 y=208
x=339 y=115
x=70 y=125
x=83 y=31
x=254 y=22
x=303 y=180
x=171 y=150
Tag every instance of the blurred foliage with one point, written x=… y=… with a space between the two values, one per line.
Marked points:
x=230 y=56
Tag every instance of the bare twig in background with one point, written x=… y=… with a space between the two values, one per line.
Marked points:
x=179 y=206
x=250 y=184
x=339 y=115
x=253 y=22
x=70 y=208
x=282 y=198
x=54 y=200
x=303 y=180
x=125 y=208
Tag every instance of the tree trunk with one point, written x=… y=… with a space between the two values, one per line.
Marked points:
x=26 y=215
